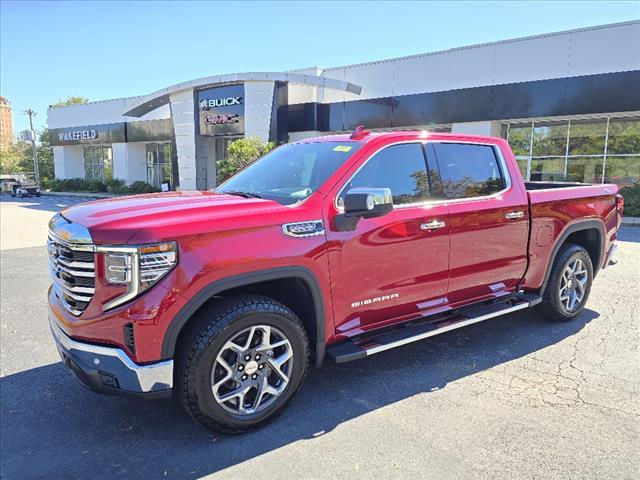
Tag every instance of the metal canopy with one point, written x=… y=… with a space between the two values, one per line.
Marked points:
x=161 y=97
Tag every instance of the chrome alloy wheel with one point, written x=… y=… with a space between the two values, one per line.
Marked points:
x=573 y=284
x=252 y=370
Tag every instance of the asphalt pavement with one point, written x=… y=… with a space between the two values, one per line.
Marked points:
x=517 y=397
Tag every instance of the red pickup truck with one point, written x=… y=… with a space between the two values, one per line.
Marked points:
x=336 y=248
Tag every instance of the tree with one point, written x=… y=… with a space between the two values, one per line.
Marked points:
x=72 y=100
x=241 y=153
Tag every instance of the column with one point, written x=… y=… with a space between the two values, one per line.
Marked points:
x=182 y=112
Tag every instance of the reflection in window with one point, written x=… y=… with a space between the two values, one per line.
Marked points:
x=468 y=170
x=401 y=168
x=549 y=169
x=576 y=150
x=587 y=137
x=550 y=139
x=622 y=170
x=98 y=163
x=584 y=169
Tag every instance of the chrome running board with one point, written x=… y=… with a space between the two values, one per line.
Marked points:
x=376 y=342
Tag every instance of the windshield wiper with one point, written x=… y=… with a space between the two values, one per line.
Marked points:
x=242 y=194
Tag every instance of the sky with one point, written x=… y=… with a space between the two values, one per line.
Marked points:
x=101 y=50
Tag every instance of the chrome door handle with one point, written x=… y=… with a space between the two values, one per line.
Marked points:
x=432 y=225
x=514 y=215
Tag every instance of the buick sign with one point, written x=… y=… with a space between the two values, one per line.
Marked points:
x=206 y=104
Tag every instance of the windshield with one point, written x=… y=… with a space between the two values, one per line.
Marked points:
x=290 y=173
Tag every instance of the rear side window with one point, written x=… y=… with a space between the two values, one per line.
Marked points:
x=402 y=168
x=468 y=170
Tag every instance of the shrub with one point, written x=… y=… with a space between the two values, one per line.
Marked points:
x=631 y=197
x=142 y=187
x=115 y=186
x=241 y=153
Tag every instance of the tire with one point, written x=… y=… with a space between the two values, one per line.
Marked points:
x=206 y=343
x=558 y=303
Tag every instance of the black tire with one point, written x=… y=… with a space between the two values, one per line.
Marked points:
x=551 y=306
x=207 y=333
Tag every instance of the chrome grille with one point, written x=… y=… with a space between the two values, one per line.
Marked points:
x=73 y=273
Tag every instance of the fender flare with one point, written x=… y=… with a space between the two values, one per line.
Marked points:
x=573 y=228
x=180 y=320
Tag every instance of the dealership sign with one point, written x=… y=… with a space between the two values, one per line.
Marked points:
x=88 y=134
x=221 y=110
x=78 y=135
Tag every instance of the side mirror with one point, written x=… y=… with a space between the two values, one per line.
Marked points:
x=368 y=202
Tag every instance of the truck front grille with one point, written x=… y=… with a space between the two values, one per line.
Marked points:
x=73 y=273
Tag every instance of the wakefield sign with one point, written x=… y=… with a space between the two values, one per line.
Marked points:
x=88 y=134
x=78 y=135
x=221 y=110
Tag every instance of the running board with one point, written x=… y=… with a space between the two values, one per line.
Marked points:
x=365 y=346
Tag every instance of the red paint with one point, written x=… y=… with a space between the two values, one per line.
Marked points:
x=478 y=255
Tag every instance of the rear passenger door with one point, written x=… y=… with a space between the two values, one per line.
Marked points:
x=488 y=221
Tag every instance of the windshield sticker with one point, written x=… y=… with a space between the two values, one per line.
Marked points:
x=342 y=148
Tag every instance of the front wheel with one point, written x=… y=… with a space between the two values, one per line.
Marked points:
x=241 y=362
x=569 y=284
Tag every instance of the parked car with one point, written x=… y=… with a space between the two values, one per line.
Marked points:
x=23 y=185
x=333 y=248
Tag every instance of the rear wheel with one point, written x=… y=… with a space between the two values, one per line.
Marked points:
x=241 y=362
x=569 y=284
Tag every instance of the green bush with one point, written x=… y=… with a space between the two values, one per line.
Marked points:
x=115 y=186
x=631 y=197
x=142 y=187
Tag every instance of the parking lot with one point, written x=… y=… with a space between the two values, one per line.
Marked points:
x=515 y=397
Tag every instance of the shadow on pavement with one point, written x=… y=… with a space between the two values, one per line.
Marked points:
x=48 y=203
x=629 y=234
x=52 y=427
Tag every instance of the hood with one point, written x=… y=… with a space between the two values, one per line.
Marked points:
x=116 y=220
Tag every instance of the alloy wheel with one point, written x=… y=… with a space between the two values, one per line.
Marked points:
x=573 y=284
x=252 y=370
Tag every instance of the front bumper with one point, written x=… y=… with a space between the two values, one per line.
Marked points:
x=109 y=370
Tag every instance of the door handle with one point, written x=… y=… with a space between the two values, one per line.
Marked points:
x=432 y=225
x=514 y=215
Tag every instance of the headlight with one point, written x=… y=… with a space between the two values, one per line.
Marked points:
x=138 y=268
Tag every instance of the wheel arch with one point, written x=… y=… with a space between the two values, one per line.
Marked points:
x=313 y=317
x=589 y=234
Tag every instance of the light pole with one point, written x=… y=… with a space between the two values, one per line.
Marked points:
x=36 y=167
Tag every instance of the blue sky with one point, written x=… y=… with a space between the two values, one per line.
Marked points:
x=101 y=50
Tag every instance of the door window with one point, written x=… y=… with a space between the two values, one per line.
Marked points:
x=468 y=170
x=402 y=168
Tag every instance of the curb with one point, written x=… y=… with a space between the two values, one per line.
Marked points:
x=631 y=221
x=80 y=194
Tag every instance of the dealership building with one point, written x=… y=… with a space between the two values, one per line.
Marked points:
x=568 y=102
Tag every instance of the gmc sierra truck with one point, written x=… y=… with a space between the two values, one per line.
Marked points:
x=333 y=248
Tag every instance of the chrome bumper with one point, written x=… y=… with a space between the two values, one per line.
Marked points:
x=109 y=370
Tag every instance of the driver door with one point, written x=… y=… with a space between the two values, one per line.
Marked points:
x=393 y=267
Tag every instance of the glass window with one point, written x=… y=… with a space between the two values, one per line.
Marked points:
x=587 y=137
x=622 y=170
x=520 y=139
x=292 y=172
x=158 y=164
x=468 y=170
x=98 y=164
x=550 y=139
x=624 y=136
x=584 y=169
x=402 y=168
x=549 y=169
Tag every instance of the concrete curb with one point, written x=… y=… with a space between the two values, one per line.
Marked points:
x=631 y=221
x=80 y=194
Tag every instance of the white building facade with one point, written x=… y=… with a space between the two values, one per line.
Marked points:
x=569 y=104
